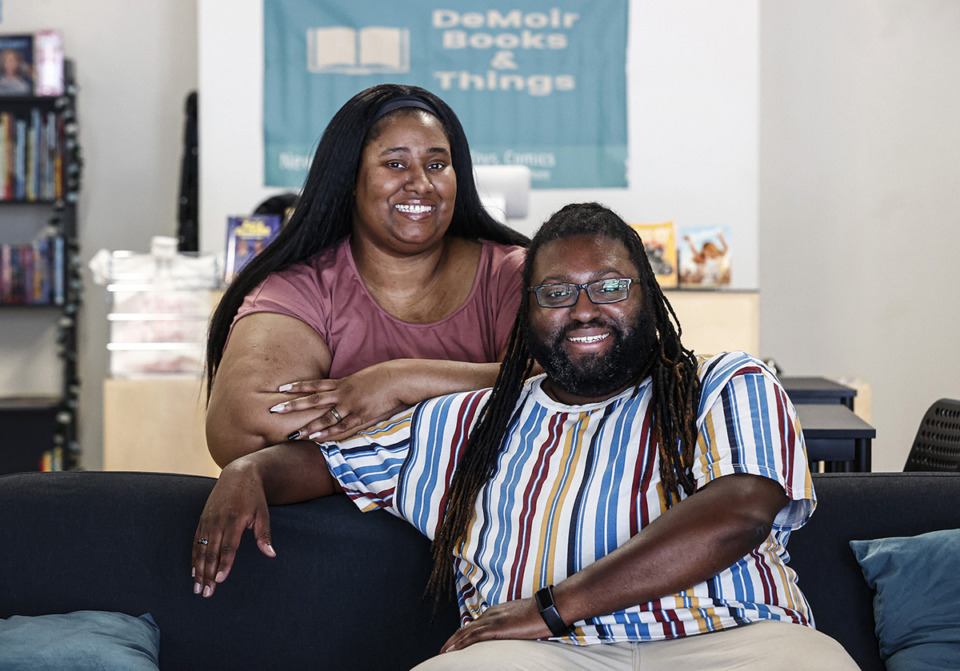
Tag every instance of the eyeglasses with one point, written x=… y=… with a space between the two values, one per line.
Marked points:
x=563 y=295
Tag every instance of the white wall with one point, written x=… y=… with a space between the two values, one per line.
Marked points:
x=855 y=147
x=693 y=129
x=136 y=61
x=860 y=201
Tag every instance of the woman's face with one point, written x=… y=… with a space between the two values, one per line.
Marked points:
x=406 y=186
x=11 y=62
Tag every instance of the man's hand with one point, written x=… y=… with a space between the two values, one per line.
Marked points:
x=237 y=502
x=518 y=619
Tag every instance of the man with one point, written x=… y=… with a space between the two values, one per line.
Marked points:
x=628 y=498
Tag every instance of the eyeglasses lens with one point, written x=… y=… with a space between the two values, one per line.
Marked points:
x=600 y=291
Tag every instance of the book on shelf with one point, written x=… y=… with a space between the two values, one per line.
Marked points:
x=48 y=63
x=31 y=155
x=705 y=256
x=32 y=64
x=32 y=273
x=660 y=244
x=247 y=236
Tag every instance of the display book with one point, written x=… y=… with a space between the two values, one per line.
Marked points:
x=32 y=64
x=660 y=244
x=695 y=257
x=247 y=236
x=705 y=257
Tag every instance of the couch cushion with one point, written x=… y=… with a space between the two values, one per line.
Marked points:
x=917 y=598
x=94 y=640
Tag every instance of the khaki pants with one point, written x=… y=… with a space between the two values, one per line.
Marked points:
x=765 y=646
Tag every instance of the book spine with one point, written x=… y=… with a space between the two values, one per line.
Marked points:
x=16 y=276
x=6 y=272
x=20 y=182
x=45 y=264
x=27 y=267
x=59 y=270
x=4 y=166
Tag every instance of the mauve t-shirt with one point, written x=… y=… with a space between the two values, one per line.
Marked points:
x=327 y=293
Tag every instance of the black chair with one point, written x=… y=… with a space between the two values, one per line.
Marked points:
x=937 y=445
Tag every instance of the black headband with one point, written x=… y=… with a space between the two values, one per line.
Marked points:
x=404 y=101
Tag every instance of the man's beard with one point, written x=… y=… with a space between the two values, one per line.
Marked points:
x=597 y=375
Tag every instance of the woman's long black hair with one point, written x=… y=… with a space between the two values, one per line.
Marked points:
x=676 y=388
x=324 y=211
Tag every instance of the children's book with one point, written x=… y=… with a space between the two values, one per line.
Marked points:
x=705 y=256
x=247 y=236
x=660 y=244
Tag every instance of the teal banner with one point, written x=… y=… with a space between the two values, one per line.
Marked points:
x=541 y=84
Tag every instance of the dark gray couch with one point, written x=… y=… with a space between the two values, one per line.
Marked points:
x=345 y=590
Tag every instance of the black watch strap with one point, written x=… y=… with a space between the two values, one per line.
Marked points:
x=548 y=611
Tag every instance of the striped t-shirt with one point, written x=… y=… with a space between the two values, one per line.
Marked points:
x=573 y=483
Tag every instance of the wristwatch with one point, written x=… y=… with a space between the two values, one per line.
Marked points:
x=548 y=611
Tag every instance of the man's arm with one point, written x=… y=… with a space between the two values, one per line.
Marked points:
x=287 y=473
x=690 y=543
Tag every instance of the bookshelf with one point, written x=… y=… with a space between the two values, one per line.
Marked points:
x=40 y=171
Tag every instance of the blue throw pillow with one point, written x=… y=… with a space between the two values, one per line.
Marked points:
x=85 y=639
x=916 y=602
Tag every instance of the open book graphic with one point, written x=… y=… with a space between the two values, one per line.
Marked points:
x=367 y=50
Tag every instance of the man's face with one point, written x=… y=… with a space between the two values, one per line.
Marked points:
x=589 y=351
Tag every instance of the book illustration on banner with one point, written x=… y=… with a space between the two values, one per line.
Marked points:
x=660 y=244
x=347 y=50
x=705 y=257
x=16 y=65
x=247 y=235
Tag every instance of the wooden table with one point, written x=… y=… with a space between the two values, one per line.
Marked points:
x=835 y=436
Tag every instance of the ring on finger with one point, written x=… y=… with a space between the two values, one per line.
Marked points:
x=202 y=541
x=336 y=415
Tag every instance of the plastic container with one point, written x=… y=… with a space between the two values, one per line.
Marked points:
x=161 y=304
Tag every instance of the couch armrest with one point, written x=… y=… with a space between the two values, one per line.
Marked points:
x=861 y=506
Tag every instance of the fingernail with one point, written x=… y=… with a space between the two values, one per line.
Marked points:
x=196 y=588
x=273 y=553
x=278 y=407
x=220 y=577
x=193 y=572
x=285 y=387
x=294 y=435
x=314 y=436
x=207 y=591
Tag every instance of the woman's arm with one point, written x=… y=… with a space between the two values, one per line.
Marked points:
x=277 y=475
x=265 y=350
x=379 y=392
x=690 y=543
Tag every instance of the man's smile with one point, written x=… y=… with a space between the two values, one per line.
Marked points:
x=588 y=339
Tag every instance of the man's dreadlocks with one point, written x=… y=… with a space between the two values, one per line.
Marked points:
x=676 y=387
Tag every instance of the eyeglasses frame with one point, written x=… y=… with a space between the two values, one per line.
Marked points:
x=584 y=287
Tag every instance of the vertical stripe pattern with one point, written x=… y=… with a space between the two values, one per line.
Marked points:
x=573 y=483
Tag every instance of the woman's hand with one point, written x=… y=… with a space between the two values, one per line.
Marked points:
x=519 y=619
x=237 y=502
x=353 y=403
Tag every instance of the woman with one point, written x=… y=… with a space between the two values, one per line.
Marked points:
x=389 y=284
